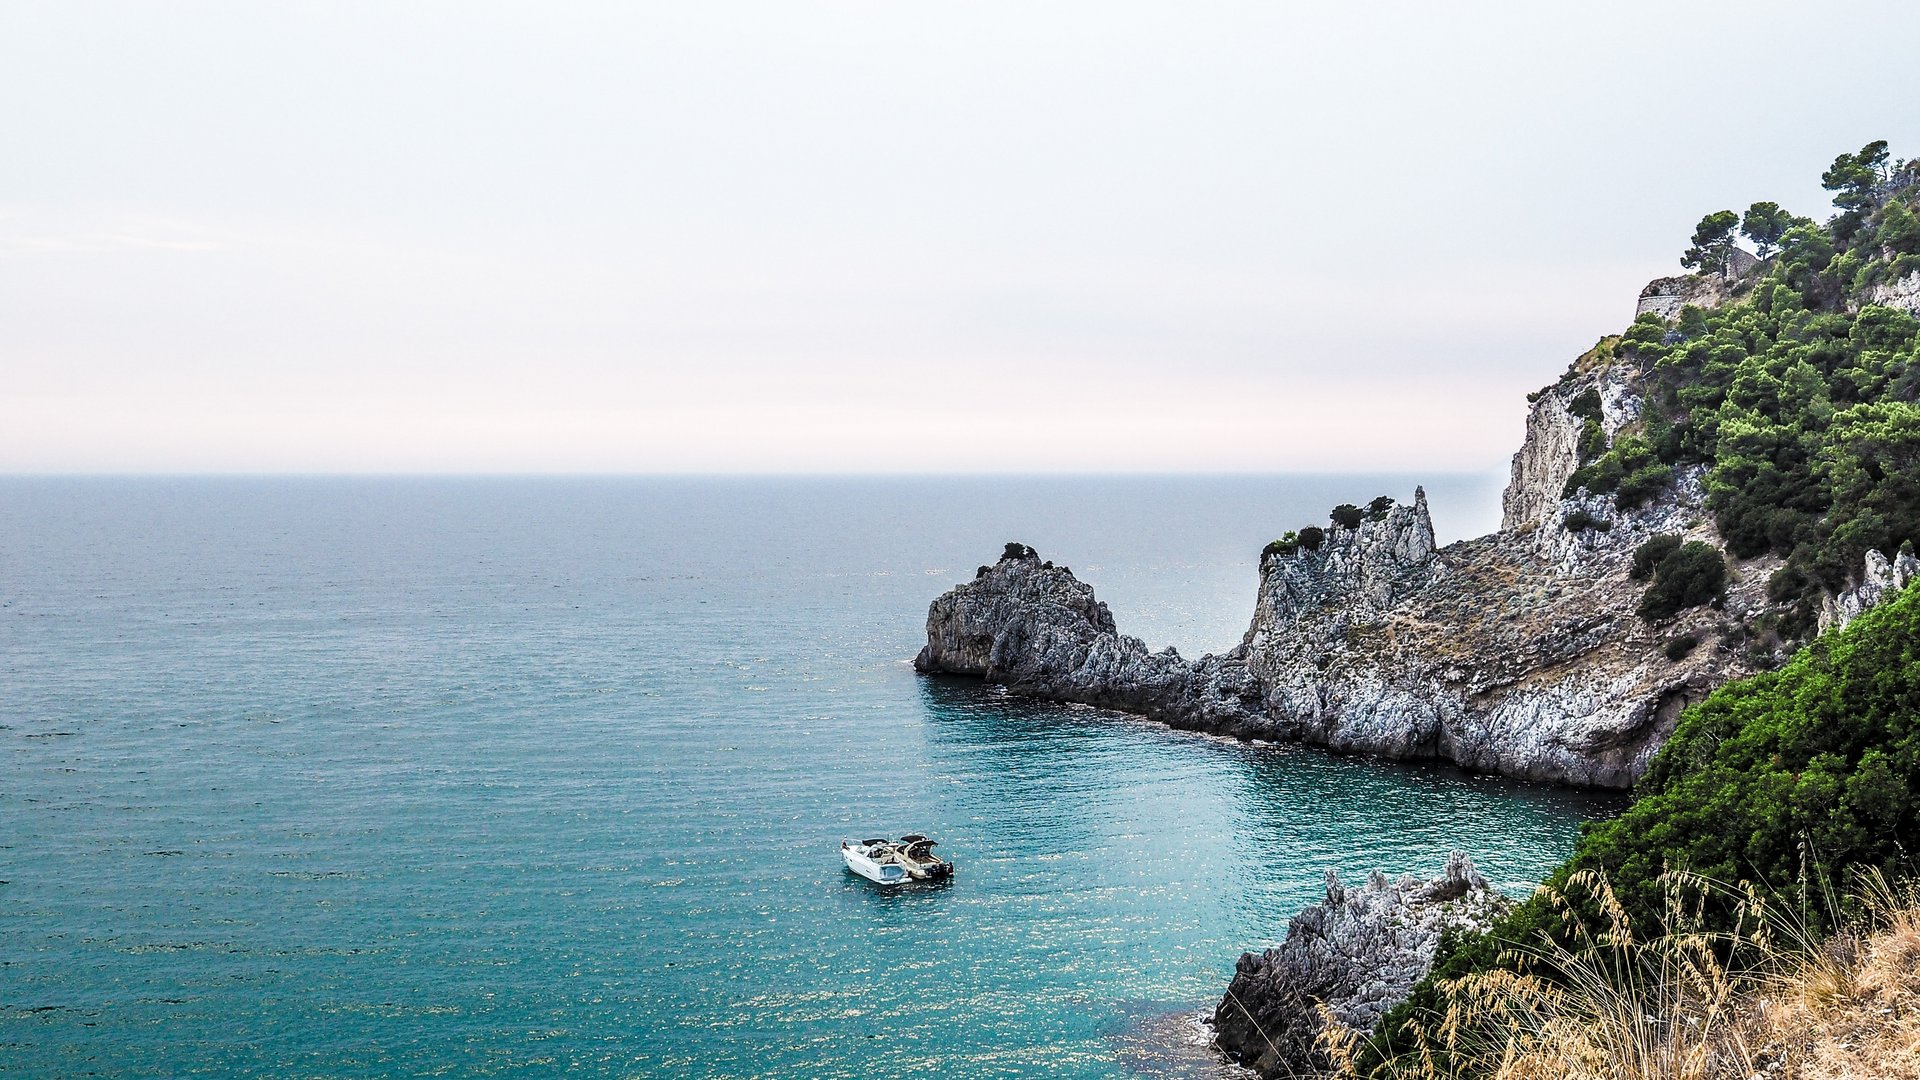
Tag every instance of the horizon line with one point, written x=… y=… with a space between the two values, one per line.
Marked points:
x=732 y=474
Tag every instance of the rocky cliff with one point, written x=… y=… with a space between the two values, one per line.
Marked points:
x=1345 y=962
x=1902 y=293
x=1522 y=652
x=1033 y=627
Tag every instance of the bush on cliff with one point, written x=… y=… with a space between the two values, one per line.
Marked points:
x=1581 y=521
x=1309 y=539
x=1347 y=516
x=1286 y=545
x=1802 y=400
x=1690 y=575
x=1793 y=781
x=1649 y=554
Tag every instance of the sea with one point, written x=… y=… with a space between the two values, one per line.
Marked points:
x=527 y=777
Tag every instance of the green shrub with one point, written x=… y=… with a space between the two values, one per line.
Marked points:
x=1650 y=552
x=1691 y=575
x=1682 y=647
x=1794 y=781
x=1592 y=441
x=1638 y=487
x=1348 y=516
x=1377 y=509
x=1286 y=545
x=1630 y=468
x=1581 y=521
x=1312 y=537
x=1586 y=404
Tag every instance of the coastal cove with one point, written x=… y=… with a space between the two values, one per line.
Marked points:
x=527 y=777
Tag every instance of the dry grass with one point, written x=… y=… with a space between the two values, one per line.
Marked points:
x=1667 y=1004
x=1851 y=1008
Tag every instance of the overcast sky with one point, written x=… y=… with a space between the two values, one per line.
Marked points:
x=875 y=237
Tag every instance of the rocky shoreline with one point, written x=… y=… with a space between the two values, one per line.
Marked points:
x=1524 y=652
x=1344 y=963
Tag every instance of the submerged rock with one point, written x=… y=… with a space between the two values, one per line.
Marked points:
x=1345 y=961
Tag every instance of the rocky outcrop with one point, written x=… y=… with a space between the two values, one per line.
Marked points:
x=1881 y=578
x=1666 y=296
x=1344 y=963
x=1502 y=654
x=1035 y=628
x=1520 y=652
x=1902 y=293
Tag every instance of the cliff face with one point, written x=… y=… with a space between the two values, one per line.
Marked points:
x=1520 y=652
x=1902 y=293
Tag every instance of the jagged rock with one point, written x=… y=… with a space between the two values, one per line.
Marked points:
x=1520 y=652
x=1357 y=953
x=1486 y=652
x=1903 y=293
x=1037 y=629
x=1881 y=577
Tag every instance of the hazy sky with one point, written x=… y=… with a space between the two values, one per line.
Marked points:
x=708 y=236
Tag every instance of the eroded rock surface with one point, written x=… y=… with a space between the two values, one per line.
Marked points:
x=1902 y=293
x=1881 y=578
x=1357 y=953
x=1035 y=628
x=1520 y=652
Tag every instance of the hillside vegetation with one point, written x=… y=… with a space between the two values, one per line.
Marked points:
x=1801 y=400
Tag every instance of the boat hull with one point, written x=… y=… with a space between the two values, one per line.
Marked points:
x=878 y=873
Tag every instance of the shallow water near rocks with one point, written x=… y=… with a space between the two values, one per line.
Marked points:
x=529 y=777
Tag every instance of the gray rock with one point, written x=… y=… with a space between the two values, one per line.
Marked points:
x=1036 y=629
x=1902 y=293
x=1880 y=578
x=1354 y=955
x=1666 y=296
x=1519 y=652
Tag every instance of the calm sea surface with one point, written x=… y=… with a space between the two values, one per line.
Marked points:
x=362 y=778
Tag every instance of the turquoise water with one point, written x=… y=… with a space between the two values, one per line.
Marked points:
x=528 y=777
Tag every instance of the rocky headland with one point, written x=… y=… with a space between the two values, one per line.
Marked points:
x=1345 y=962
x=1522 y=652
x=1528 y=652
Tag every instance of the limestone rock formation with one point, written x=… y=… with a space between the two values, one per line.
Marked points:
x=1902 y=293
x=1520 y=652
x=1882 y=577
x=1345 y=961
x=1035 y=628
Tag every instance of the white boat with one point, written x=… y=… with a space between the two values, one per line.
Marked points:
x=895 y=862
